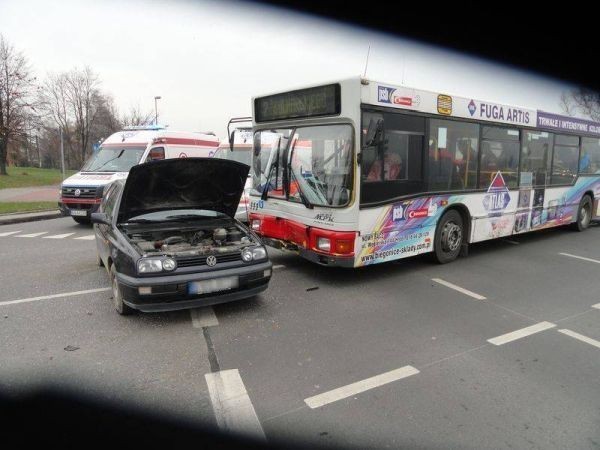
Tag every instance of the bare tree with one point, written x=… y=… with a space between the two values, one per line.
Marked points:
x=581 y=101
x=71 y=101
x=136 y=117
x=82 y=93
x=16 y=88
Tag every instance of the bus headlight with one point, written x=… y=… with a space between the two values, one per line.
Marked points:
x=259 y=253
x=149 y=265
x=324 y=244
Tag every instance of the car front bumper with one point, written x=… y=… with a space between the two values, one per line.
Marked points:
x=170 y=292
x=67 y=208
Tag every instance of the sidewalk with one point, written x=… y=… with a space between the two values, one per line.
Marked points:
x=30 y=194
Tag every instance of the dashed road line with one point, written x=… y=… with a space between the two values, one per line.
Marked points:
x=47 y=297
x=580 y=337
x=597 y=306
x=581 y=257
x=232 y=405
x=58 y=236
x=32 y=235
x=203 y=317
x=510 y=241
x=278 y=266
x=523 y=332
x=459 y=289
x=360 y=386
x=8 y=233
x=89 y=237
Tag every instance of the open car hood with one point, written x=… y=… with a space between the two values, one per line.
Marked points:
x=188 y=183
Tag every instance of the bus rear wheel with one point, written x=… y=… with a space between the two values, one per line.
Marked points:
x=584 y=214
x=449 y=237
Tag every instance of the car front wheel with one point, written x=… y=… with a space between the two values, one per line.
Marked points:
x=120 y=306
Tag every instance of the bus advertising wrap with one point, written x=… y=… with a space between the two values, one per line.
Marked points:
x=569 y=124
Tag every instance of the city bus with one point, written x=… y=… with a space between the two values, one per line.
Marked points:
x=358 y=172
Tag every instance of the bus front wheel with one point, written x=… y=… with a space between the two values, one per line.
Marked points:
x=449 y=237
x=584 y=214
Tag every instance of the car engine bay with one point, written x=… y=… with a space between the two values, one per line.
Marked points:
x=196 y=241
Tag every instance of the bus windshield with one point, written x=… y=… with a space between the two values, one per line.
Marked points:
x=320 y=164
x=240 y=153
x=114 y=159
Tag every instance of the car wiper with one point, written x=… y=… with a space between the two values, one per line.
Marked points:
x=110 y=160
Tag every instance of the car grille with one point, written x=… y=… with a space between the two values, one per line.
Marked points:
x=201 y=260
x=84 y=192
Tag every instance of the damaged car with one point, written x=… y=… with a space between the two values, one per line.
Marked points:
x=169 y=240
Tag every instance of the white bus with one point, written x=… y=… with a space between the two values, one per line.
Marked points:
x=359 y=172
x=80 y=194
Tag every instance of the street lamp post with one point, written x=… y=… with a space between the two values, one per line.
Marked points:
x=158 y=97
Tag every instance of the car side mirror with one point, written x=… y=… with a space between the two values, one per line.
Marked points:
x=100 y=218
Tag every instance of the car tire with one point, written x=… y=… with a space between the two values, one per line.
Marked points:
x=584 y=214
x=82 y=220
x=118 y=303
x=449 y=237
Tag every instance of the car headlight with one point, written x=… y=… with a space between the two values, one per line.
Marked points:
x=150 y=265
x=247 y=255
x=259 y=253
x=169 y=264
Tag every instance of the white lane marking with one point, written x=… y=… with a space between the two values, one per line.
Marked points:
x=360 y=386
x=46 y=297
x=203 y=317
x=8 y=233
x=86 y=238
x=278 y=266
x=510 y=241
x=231 y=404
x=58 y=236
x=580 y=257
x=523 y=332
x=459 y=289
x=581 y=337
x=597 y=306
x=32 y=234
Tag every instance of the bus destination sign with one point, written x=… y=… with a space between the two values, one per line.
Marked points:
x=311 y=102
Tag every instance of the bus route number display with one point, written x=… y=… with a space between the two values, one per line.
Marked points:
x=311 y=102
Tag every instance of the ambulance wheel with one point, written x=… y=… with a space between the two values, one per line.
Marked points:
x=584 y=214
x=449 y=237
x=82 y=220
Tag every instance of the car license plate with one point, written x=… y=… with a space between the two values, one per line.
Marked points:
x=215 y=285
x=78 y=212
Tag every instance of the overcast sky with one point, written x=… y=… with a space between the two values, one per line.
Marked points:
x=206 y=59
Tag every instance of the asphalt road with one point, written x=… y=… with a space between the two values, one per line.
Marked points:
x=497 y=350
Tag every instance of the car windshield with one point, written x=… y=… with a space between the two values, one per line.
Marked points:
x=175 y=215
x=114 y=159
x=320 y=164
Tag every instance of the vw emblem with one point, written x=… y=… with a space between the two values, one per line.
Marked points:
x=211 y=260
x=77 y=192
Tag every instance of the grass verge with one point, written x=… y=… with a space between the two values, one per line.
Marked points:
x=31 y=176
x=13 y=207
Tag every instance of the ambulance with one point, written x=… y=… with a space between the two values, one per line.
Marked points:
x=80 y=194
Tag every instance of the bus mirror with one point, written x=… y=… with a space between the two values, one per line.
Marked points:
x=231 y=140
x=374 y=132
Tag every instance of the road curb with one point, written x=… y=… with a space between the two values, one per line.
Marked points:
x=7 y=219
